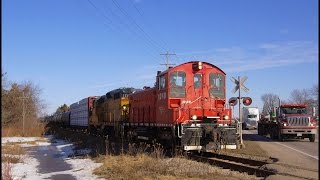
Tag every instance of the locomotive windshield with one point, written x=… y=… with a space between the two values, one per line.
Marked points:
x=216 y=82
x=178 y=84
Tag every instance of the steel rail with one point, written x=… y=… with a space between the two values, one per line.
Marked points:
x=252 y=167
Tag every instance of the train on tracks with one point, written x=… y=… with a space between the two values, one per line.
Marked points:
x=187 y=108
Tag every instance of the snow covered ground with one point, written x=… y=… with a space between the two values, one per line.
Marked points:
x=49 y=158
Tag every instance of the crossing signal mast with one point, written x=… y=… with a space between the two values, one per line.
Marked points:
x=245 y=100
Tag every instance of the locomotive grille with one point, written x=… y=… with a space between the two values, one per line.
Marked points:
x=298 y=121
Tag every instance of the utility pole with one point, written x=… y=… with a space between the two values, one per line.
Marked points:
x=240 y=115
x=23 y=110
x=167 y=59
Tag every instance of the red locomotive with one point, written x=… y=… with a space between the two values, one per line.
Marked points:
x=186 y=108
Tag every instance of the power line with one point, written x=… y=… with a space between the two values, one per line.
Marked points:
x=162 y=40
x=138 y=10
x=143 y=34
x=97 y=9
x=137 y=25
x=110 y=22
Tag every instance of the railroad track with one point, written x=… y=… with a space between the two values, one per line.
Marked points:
x=250 y=166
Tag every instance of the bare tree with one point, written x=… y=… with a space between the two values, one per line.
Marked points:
x=306 y=96
x=300 y=96
x=269 y=102
x=314 y=91
x=315 y=94
x=12 y=103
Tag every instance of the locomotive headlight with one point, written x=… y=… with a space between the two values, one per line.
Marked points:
x=226 y=117
x=199 y=65
x=124 y=107
x=194 y=117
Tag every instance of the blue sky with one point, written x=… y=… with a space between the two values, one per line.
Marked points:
x=78 y=48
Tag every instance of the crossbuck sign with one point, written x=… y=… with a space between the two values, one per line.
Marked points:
x=239 y=84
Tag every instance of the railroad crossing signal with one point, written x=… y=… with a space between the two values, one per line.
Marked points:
x=246 y=101
x=239 y=84
x=233 y=101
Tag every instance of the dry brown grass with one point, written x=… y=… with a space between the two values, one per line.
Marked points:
x=12 y=153
x=35 y=130
x=11 y=159
x=14 y=149
x=146 y=167
x=251 y=148
x=144 y=161
x=6 y=173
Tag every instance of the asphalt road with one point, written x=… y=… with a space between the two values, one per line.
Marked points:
x=301 y=153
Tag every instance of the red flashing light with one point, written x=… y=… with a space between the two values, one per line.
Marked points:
x=247 y=101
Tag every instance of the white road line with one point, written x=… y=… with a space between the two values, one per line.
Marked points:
x=314 y=157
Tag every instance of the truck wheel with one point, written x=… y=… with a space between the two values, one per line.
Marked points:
x=274 y=134
x=261 y=129
x=312 y=138
x=280 y=137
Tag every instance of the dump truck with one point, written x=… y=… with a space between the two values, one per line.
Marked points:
x=289 y=121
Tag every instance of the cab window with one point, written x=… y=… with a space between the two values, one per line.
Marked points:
x=178 y=84
x=162 y=82
x=216 y=82
x=197 y=83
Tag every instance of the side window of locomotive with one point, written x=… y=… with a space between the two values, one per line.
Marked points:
x=162 y=82
x=178 y=84
x=197 y=81
x=216 y=82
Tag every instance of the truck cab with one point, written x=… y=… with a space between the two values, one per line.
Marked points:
x=250 y=117
x=289 y=121
x=295 y=122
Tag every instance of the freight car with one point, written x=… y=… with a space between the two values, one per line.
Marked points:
x=81 y=111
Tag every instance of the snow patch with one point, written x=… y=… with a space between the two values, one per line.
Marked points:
x=28 y=169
